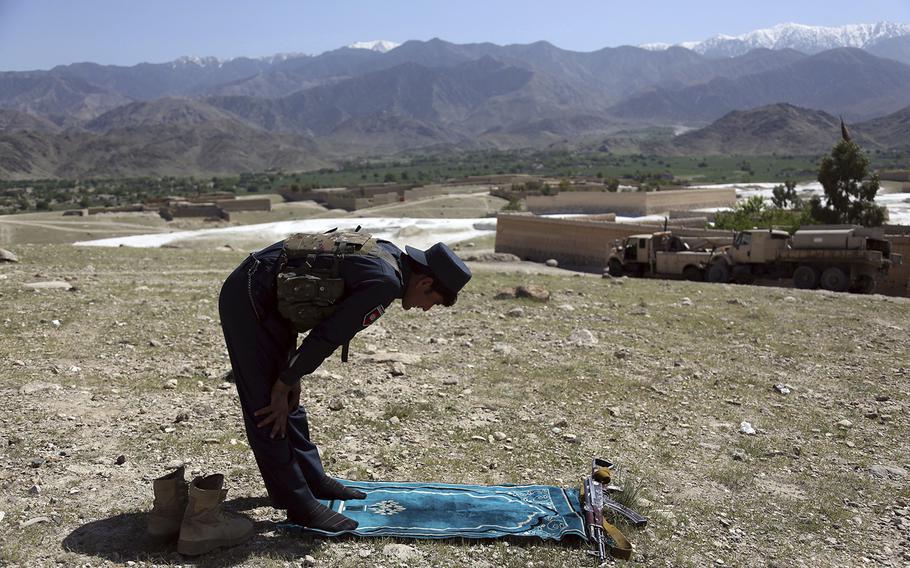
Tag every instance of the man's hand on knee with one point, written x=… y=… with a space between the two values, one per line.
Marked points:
x=276 y=413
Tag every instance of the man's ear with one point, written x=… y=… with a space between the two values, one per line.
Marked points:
x=425 y=283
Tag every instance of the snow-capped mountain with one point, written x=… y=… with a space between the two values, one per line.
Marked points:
x=197 y=61
x=807 y=39
x=380 y=45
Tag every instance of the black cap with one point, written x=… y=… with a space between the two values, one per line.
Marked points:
x=449 y=271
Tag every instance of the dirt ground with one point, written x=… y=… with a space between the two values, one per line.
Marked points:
x=110 y=384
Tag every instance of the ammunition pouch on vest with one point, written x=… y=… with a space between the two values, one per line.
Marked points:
x=309 y=285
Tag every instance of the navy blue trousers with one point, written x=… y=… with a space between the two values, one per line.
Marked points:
x=259 y=343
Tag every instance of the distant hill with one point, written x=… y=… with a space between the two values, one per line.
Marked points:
x=779 y=128
x=892 y=131
x=168 y=137
x=13 y=120
x=207 y=116
x=784 y=129
x=841 y=81
x=66 y=100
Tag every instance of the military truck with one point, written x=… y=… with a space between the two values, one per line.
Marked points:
x=839 y=258
x=660 y=254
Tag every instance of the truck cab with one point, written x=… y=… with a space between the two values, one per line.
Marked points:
x=758 y=246
x=636 y=248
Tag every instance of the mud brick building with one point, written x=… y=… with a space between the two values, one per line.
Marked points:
x=631 y=203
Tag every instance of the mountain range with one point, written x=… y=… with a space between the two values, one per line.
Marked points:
x=210 y=116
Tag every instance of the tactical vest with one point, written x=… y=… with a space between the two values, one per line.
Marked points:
x=309 y=285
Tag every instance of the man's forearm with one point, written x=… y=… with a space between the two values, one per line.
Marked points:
x=309 y=356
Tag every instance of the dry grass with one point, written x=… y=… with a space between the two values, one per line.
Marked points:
x=662 y=394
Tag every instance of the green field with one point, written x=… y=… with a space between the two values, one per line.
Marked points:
x=56 y=194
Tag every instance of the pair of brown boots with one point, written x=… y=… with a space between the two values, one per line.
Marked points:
x=191 y=513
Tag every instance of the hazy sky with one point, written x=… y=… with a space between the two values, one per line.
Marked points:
x=38 y=34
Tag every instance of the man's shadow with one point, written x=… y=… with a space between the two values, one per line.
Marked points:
x=122 y=538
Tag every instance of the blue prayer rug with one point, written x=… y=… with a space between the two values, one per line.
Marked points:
x=438 y=510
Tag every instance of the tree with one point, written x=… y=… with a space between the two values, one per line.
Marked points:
x=849 y=195
x=784 y=196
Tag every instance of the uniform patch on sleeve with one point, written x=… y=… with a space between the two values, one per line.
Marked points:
x=373 y=315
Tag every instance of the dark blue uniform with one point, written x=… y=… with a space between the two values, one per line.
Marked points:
x=262 y=345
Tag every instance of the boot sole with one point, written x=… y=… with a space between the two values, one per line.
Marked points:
x=198 y=547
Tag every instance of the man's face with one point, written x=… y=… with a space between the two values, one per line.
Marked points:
x=420 y=294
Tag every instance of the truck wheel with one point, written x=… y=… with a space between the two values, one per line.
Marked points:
x=718 y=272
x=693 y=274
x=614 y=267
x=865 y=284
x=805 y=277
x=835 y=279
x=742 y=274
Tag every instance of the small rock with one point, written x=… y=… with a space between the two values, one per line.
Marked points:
x=32 y=388
x=515 y=313
x=400 y=552
x=394 y=420
x=746 y=428
x=500 y=436
x=170 y=384
x=34 y=521
x=561 y=423
x=154 y=343
x=571 y=438
x=844 y=424
x=211 y=441
x=8 y=256
x=504 y=349
x=882 y=398
x=789 y=299
x=536 y=293
x=583 y=337
x=309 y=560
x=552 y=262
x=621 y=353
x=450 y=381
x=506 y=294
x=739 y=455
x=888 y=471
x=782 y=389
x=685 y=302
x=55 y=323
x=397 y=369
x=225 y=386
x=364 y=552
x=566 y=307
x=182 y=417
x=52 y=285
x=121 y=459
x=478 y=438
x=336 y=404
x=34 y=490
x=613 y=410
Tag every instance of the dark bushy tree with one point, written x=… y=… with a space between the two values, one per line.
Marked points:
x=784 y=196
x=849 y=195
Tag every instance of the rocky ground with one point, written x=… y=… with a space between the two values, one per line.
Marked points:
x=108 y=384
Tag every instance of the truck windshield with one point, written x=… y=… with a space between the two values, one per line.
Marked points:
x=742 y=239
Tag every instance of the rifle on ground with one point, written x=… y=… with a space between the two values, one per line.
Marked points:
x=605 y=538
